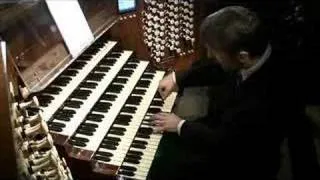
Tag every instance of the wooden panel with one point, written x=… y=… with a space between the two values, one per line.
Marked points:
x=7 y=150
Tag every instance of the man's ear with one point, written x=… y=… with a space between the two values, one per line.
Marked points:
x=244 y=59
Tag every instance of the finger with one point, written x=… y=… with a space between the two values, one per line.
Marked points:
x=163 y=92
x=158 y=130
x=159 y=123
x=159 y=116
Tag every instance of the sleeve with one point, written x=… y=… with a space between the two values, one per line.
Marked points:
x=201 y=73
x=242 y=126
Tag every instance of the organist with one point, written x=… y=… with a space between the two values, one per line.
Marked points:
x=241 y=135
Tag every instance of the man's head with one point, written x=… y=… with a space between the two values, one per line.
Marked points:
x=235 y=36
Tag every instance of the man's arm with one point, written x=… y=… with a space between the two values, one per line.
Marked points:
x=244 y=126
x=201 y=73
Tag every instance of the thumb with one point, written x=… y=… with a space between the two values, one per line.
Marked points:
x=163 y=92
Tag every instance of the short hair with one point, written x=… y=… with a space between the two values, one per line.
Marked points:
x=232 y=29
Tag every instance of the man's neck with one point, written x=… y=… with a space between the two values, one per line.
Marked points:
x=246 y=73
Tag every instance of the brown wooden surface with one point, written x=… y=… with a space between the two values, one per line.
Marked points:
x=7 y=150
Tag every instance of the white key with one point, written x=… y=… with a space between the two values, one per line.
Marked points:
x=109 y=117
x=138 y=117
x=77 y=119
x=73 y=84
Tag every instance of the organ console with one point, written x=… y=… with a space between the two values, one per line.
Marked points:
x=78 y=89
x=94 y=104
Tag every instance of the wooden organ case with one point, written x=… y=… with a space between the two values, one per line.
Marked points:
x=85 y=114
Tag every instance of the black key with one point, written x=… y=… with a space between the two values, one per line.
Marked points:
x=60 y=83
x=135 y=152
x=123 y=120
x=45 y=97
x=147 y=76
x=90 y=85
x=55 y=128
x=57 y=124
x=102 y=153
x=115 y=54
x=63 y=79
x=134 y=100
x=87 y=128
x=80 y=139
x=134 y=156
x=90 y=125
x=108 y=97
x=123 y=123
x=68 y=111
x=52 y=90
x=113 y=143
x=140 y=142
x=82 y=92
x=70 y=73
x=119 y=129
x=129 y=109
x=85 y=57
x=103 y=104
x=44 y=104
x=131 y=160
x=124 y=117
x=107 y=62
x=95 y=117
x=91 y=50
x=114 y=88
x=116 y=139
x=100 y=108
x=144 y=136
x=77 y=65
x=145 y=130
x=102 y=158
x=157 y=103
x=139 y=146
x=128 y=168
x=149 y=70
x=158 y=95
x=108 y=146
x=87 y=133
x=62 y=113
x=120 y=80
x=125 y=73
x=95 y=76
x=143 y=83
x=133 y=66
x=102 y=69
x=73 y=104
x=139 y=91
x=154 y=110
x=77 y=143
x=61 y=117
x=126 y=173
x=119 y=133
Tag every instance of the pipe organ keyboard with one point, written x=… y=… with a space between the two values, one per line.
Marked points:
x=99 y=109
x=95 y=100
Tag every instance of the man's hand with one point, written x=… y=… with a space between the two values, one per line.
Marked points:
x=166 y=122
x=167 y=86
